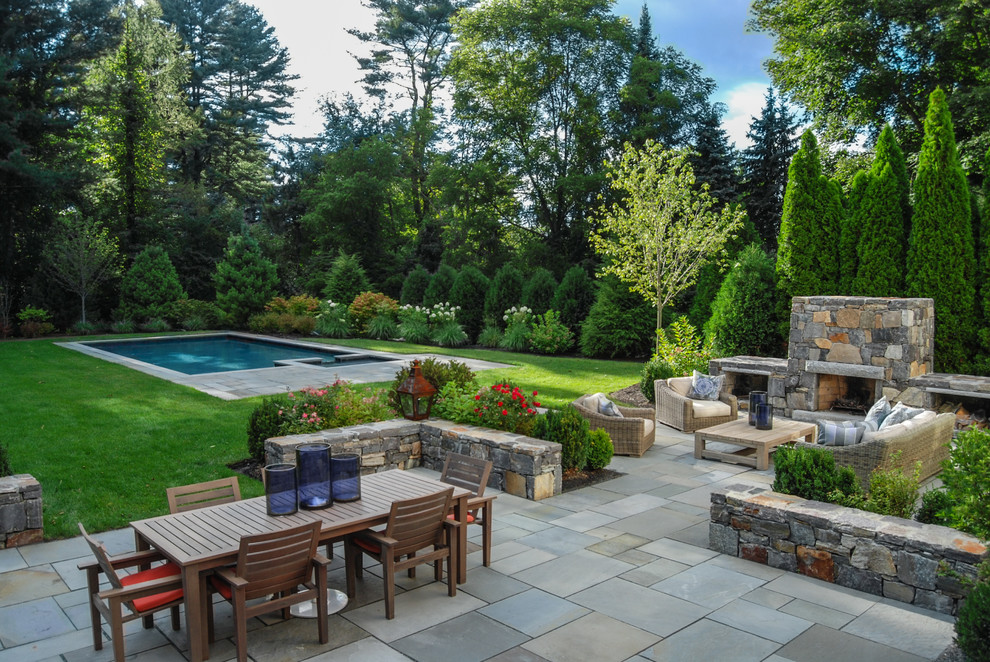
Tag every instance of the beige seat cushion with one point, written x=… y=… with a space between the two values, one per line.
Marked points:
x=648 y=426
x=680 y=385
x=707 y=408
x=907 y=426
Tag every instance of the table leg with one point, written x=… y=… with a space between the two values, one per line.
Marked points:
x=199 y=648
x=461 y=513
x=699 y=444
x=762 y=456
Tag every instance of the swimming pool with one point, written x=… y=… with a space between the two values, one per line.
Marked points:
x=225 y=352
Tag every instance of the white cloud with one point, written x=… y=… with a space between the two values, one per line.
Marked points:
x=744 y=102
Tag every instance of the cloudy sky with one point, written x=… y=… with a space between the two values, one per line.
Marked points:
x=710 y=32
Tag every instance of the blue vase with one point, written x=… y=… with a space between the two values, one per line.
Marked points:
x=756 y=398
x=280 y=489
x=764 y=416
x=313 y=462
x=345 y=472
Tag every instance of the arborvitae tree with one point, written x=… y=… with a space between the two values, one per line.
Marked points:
x=851 y=229
x=743 y=319
x=940 y=261
x=888 y=152
x=538 y=291
x=764 y=165
x=619 y=324
x=149 y=285
x=984 y=257
x=574 y=297
x=880 y=251
x=346 y=279
x=808 y=248
x=440 y=284
x=468 y=292
x=504 y=292
x=245 y=279
x=414 y=287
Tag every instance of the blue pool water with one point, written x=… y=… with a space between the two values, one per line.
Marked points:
x=221 y=353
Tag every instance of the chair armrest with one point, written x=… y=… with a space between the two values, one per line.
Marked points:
x=230 y=576
x=127 y=560
x=637 y=412
x=144 y=589
x=320 y=560
x=477 y=502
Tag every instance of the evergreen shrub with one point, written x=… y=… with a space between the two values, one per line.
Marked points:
x=654 y=369
x=264 y=423
x=744 y=316
x=539 y=290
x=34 y=322
x=966 y=478
x=181 y=311
x=973 y=620
x=619 y=325
x=440 y=285
x=468 y=292
x=437 y=372
x=574 y=297
x=346 y=279
x=810 y=473
x=600 y=449
x=935 y=504
x=245 y=280
x=414 y=286
x=570 y=429
x=149 y=286
x=504 y=291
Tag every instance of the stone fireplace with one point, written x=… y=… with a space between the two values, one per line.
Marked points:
x=842 y=353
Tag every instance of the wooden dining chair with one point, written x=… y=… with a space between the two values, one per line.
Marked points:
x=129 y=597
x=275 y=564
x=471 y=473
x=201 y=495
x=413 y=525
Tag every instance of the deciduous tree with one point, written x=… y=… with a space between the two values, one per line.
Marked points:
x=664 y=228
x=81 y=255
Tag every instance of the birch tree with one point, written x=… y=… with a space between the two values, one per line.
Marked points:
x=664 y=227
x=81 y=255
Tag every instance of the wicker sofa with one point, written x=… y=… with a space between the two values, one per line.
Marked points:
x=926 y=441
x=676 y=409
x=631 y=434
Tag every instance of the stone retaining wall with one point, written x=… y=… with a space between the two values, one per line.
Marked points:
x=522 y=466
x=20 y=511
x=896 y=558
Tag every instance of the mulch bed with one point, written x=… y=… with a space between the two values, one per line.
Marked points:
x=250 y=468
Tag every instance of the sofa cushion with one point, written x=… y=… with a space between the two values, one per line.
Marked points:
x=898 y=414
x=705 y=387
x=708 y=408
x=648 y=426
x=680 y=385
x=608 y=408
x=844 y=433
x=894 y=431
x=593 y=401
x=878 y=411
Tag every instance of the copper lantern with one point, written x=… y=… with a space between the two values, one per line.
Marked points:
x=416 y=395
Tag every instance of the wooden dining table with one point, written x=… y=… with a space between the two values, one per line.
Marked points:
x=200 y=540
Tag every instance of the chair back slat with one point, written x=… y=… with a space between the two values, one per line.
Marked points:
x=277 y=561
x=465 y=471
x=102 y=557
x=416 y=523
x=201 y=495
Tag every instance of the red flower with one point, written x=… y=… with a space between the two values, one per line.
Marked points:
x=505 y=413
x=500 y=404
x=535 y=403
x=477 y=397
x=535 y=393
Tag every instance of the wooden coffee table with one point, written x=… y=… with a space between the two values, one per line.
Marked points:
x=756 y=444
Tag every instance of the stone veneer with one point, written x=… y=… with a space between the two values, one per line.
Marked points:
x=20 y=511
x=896 y=558
x=522 y=466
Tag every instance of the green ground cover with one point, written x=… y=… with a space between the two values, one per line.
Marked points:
x=105 y=441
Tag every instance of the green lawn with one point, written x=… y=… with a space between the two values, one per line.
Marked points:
x=105 y=441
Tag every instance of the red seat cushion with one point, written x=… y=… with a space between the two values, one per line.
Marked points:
x=470 y=518
x=153 y=601
x=222 y=587
x=372 y=547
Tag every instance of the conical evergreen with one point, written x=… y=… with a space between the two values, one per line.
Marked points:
x=888 y=152
x=880 y=250
x=940 y=260
x=851 y=228
x=983 y=257
x=438 y=291
x=808 y=246
x=743 y=320
x=504 y=291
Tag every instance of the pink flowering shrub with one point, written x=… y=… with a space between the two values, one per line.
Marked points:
x=504 y=406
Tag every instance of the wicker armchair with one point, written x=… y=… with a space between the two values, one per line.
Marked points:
x=677 y=410
x=631 y=434
x=927 y=443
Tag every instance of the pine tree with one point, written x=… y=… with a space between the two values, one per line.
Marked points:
x=245 y=279
x=714 y=160
x=940 y=261
x=149 y=286
x=851 y=230
x=880 y=250
x=765 y=165
x=808 y=253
